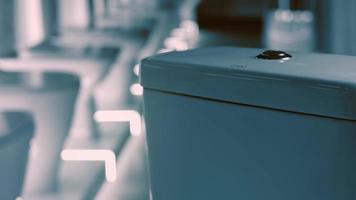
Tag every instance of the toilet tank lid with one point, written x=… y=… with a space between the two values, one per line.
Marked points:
x=317 y=84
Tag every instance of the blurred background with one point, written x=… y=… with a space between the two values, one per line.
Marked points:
x=71 y=124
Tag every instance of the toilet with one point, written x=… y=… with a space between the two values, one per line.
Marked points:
x=16 y=131
x=253 y=124
x=50 y=98
x=90 y=62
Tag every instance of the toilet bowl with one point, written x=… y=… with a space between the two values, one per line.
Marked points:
x=16 y=131
x=90 y=71
x=128 y=41
x=50 y=97
x=236 y=123
x=133 y=43
x=90 y=62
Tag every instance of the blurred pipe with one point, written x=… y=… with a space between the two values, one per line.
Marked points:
x=106 y=8
x=29 y=26
x=91 y=14
x=20 y=25
x=50 y=18
x=7 y=28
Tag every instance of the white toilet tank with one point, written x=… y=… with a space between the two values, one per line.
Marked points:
x=247 y=124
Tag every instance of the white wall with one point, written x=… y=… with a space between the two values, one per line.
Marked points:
x=340 y=24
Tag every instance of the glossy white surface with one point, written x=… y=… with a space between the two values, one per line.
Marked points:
x=84 y=179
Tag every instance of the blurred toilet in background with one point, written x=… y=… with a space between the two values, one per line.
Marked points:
x=127 y=42
x=134 y=39
x=50 y=98
x=90 y=63
x=62 y=50
x=16 y=131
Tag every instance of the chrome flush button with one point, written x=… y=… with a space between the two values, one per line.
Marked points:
x=274 y=55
